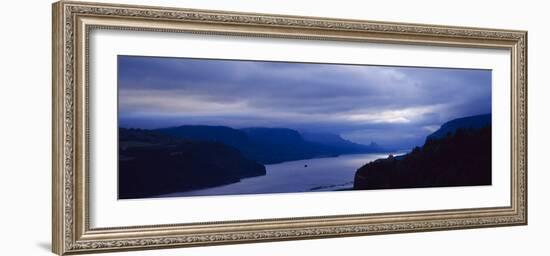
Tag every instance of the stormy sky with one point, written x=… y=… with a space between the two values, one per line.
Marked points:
x=393 y=106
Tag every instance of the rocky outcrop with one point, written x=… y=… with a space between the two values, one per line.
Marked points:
x=460 y=157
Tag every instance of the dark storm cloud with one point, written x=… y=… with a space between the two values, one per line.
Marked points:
x=397 y=106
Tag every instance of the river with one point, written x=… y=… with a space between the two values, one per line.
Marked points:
x=318 y=174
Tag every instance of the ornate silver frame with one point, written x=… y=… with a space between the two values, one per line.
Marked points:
x=72 y=22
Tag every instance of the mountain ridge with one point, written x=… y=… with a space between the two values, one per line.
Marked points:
x=269 y=145
x=469 y=122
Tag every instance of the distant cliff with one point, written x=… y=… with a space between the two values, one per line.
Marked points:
x=271 y=145
x=340 y=145
x=152 y=163
x=458 y=154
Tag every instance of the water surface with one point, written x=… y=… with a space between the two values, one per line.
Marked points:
x=319 y=174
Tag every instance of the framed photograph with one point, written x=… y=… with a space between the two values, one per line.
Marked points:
x=179 y=127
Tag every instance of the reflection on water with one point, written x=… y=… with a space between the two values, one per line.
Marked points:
x=320 y=174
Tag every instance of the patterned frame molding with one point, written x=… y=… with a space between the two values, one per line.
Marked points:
x=72 y=22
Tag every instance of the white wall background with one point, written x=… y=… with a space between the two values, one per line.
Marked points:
x=25 y=149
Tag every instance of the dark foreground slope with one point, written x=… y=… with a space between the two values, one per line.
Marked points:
x=459 y=154
x=152 y=163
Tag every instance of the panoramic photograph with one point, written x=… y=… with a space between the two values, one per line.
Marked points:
x=212 y=127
